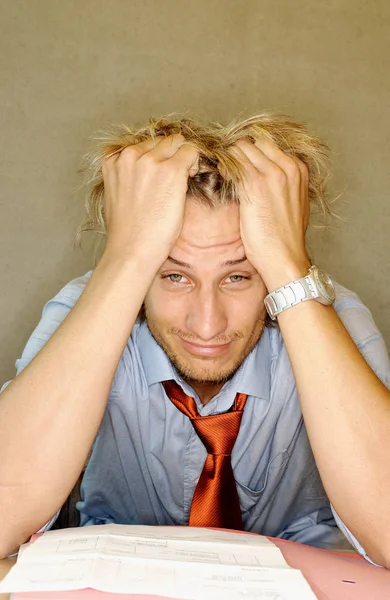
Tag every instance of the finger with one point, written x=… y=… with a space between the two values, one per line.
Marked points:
x=304 y=187
x=148 y=144
x=303 y=170
x=167 y=147
x=254 y=156
x=292 y=167
x=194 y=169
x=248 y=175
x=275 y=154
x=267 y=157
x=295 y=170
x=187 y=157
x=109 y=161
x=134 y=151
x=244 y=157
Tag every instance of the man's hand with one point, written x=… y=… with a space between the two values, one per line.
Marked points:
x=274 y=211
x=144 y=195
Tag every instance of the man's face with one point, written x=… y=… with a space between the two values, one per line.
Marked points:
x=205 y=305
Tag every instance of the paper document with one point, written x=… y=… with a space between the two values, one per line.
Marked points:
x=178 y=562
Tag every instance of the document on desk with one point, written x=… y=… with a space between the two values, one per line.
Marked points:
x=176 y=562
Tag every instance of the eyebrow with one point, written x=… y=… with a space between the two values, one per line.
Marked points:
x=226 y=263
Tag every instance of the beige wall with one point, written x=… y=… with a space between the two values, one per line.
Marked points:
x=69 y=67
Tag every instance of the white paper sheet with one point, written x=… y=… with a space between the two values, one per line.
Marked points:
x=186 y=563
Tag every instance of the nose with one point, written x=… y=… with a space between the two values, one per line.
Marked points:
x=207 y=316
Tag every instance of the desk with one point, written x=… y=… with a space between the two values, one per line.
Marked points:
x=5 y=565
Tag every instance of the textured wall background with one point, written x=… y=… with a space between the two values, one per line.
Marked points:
x=69 y=67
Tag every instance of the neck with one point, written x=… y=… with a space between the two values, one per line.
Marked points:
x=205 y=391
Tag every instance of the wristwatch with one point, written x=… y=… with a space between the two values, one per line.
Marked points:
x=316 y=285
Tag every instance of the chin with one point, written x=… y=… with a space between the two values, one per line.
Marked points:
x=205 y=370
x=195 y=374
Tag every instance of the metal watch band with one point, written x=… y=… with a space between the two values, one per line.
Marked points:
x=289 y=295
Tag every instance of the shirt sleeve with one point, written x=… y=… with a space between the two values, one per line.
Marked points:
x=359 y=322
x=49 y=524
x=317 y=528
x=54 y=312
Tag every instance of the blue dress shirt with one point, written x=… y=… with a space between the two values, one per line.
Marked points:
x=147 y=458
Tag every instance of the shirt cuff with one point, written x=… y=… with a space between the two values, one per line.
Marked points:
x=49 y=524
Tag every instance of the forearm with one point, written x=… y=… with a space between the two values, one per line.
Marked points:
x=50 y=413
x=347 y=414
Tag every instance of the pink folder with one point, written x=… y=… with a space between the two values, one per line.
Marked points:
x=331 y=575
x=335 y=575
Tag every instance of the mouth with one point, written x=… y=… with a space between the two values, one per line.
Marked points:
x=210 y=351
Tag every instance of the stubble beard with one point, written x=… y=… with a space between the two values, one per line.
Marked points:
x=206 y=375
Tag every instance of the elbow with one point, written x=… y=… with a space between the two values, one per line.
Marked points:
x=4 y=553
x=11 y=538
x=379 y=552
x=384 y=559
x=8 y=547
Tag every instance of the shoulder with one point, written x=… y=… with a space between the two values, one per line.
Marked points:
x=70 y=293
x=356 y=317
x=53 y=314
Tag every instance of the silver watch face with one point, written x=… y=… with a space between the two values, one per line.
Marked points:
x=325 y=285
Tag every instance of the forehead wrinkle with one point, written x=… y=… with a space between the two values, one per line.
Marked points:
x=193 y=245
x=211 y=253
x=224 y=263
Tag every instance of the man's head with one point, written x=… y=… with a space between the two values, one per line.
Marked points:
x=205 y=305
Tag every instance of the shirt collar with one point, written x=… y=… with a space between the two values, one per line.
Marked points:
x=252 y=378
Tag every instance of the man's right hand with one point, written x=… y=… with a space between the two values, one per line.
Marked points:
x=145 y=190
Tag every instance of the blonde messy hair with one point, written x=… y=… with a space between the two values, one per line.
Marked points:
x=219 y=171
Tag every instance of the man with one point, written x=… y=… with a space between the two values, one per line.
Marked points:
x=165 y=360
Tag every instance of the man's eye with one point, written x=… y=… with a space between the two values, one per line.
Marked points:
x=236 y=278
x=175 y=278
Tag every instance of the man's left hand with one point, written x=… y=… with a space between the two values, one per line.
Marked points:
x=274 y=211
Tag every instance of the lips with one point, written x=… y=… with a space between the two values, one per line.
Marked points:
x=205 y=351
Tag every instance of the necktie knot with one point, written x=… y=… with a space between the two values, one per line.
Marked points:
x=218 y=432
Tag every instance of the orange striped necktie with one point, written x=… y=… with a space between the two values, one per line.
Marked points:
x=215 y=502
